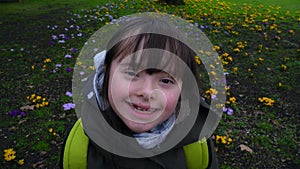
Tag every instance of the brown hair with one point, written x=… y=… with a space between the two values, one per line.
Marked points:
x=140 y=34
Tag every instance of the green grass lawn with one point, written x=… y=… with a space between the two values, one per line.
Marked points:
x=258 y=43
x=41 y=6
x=290 y=5
x=34 y=7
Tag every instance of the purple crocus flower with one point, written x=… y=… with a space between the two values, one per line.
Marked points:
x=54 y=37
x=229 y=111
x=68 y=56
x=68 y=69
x=67 y=38
x=213 y=96
x=13 y=113
x=69 y=94
x=62 y=35
x=73 y=50
x=22 y=113
x=224 y=81
x=61 y=41
x=69 y=106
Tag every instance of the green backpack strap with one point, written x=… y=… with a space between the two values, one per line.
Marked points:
x=196 y=154
x=76 y=148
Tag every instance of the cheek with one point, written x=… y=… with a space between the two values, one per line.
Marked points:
x=118 y=89
x=171 y=102
x=113 y=89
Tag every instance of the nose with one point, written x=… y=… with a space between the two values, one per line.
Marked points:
x=145 y=88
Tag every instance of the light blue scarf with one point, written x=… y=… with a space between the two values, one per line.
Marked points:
x=157 y=135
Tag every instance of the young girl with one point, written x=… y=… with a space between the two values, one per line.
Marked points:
x=142 y=107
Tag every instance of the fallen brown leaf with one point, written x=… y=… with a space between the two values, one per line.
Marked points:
x=13 y=128
x=22 y=121
x=38 y=164
x=246 y=148
x=84 y=79
x=27 y=108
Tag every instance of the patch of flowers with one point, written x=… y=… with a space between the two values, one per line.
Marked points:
x=68 y=106
x=222 y=141
x=266 y=101
x=46 y=61
x=38 y=101
x=57 y=66
x=211 y=93
x=228 y=110
x=52 y=132
x=226 y=140
x=10 y=155
x=197 y=60
x=226 y=58
x=230 y=103
x=16 y=113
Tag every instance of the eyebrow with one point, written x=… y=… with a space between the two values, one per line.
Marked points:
x=125 y=64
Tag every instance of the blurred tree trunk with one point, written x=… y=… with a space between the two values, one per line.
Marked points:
x=174 y=2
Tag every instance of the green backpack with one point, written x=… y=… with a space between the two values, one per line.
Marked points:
x=76 y=150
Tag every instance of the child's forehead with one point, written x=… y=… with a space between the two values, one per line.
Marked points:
x=150 y=58
x=153 y=63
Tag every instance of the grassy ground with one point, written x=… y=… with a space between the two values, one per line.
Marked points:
x=262 y=43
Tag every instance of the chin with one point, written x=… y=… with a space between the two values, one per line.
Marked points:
x=139 y=127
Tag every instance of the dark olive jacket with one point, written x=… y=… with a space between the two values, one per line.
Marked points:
x=98 y=158
x=172 y=159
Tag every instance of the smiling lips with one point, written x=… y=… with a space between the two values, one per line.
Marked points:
x=144 y=109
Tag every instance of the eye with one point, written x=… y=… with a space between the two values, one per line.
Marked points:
x=167 y=81
x=131 y=73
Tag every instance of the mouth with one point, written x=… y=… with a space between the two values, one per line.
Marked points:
x=142 y=108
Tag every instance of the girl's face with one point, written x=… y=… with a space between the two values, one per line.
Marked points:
x=141 y=99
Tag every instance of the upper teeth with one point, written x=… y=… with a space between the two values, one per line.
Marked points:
x=141 y=109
